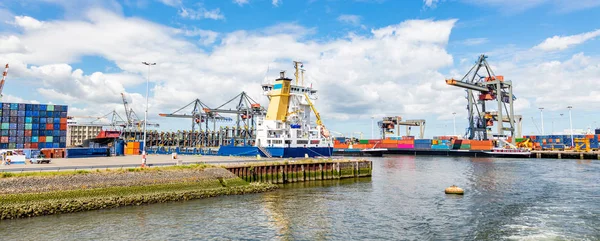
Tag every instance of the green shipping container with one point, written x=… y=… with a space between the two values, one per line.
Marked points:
x=363 y=141
x=50 y=108
x=465 y=147
x=27 y=126
x=5 y=126
x=519 y=139
x=48 y=138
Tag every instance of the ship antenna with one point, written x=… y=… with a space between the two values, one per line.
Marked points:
x=296 y=63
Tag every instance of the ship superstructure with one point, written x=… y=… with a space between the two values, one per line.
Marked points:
x=288 y=129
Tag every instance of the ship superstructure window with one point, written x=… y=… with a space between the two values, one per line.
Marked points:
x=276 y=142
x=301 y=142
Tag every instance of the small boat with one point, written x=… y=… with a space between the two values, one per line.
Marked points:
x=508 y=152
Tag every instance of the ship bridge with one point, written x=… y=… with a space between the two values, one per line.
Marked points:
x=294 y=89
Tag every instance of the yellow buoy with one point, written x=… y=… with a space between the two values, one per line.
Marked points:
x=454 y=190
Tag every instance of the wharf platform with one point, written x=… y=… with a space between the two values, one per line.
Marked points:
x=302 y=170
x=567 y=154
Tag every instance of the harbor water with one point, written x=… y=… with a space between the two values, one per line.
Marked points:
x=517 y=199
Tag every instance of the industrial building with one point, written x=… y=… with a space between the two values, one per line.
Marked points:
x=77 y=133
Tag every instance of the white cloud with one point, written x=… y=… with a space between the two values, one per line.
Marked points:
x=201 y=13
x=563 y=42
x=241 y=2
x=516 y=6
x=11 y=44
x=207 y=37
x=430 y=3
x=392 y=69
x=172 y=3
x=275 y=2
x=349 y=19
x=27 y=23
x=474 y=41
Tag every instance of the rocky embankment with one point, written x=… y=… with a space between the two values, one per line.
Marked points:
x=44 y=194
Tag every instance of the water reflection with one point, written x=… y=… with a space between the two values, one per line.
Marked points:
x=504 y=199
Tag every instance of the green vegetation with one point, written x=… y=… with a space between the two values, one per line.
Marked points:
x=38 y=204
x=110 y=193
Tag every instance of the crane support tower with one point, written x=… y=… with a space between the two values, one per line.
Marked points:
x=387 y=125
x=483 y=86
x=3 y=80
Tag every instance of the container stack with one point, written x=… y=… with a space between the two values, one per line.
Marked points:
x=423 y=144
x=33 y=126
x=481 y=145
x=440 y=144
x=132 y=148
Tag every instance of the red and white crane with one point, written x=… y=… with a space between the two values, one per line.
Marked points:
x=3 y=80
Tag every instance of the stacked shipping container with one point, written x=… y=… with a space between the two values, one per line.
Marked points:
x=132 y=148
x=33 y=126
x=550 y=142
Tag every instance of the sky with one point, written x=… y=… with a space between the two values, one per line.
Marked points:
x=367 y=58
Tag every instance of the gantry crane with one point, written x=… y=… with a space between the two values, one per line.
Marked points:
x=132 y=118
x=3 y=80
x=388 y=124
x=482 y=88
x=115 y=120
x=200 y=114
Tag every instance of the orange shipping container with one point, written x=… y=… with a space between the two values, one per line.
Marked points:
x=388 y=146
x=136 y=145
x=409 y=142
x=388 y=141
x=479 y=143
x=340 y=146
x=481 y=148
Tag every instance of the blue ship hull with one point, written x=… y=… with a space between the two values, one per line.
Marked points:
x=283 y=152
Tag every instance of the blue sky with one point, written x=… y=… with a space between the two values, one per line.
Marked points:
x=367 y=57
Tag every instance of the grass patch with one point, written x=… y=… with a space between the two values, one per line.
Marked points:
x=115 y=191
x=37 y=204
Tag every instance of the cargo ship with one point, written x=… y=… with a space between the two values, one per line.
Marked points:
x=287 y=129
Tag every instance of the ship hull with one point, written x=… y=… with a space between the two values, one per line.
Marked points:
x=284 y=152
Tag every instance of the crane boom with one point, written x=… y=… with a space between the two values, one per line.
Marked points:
x=312 y=107
x=127 y=112
x=3 y=80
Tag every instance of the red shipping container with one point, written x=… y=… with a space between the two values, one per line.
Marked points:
x=4 y=139
x=63 y=127
x=42 y=139
x=28 y=133
x=34 y=145
x=27 y=145
x=49 y=126
x=63 y=120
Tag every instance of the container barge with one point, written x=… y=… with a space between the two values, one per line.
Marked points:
x=453 y=146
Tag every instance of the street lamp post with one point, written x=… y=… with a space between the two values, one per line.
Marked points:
x=454 y=120
x=146 y=111
x=542 y=117
x=571 y=125
x=372 y=130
